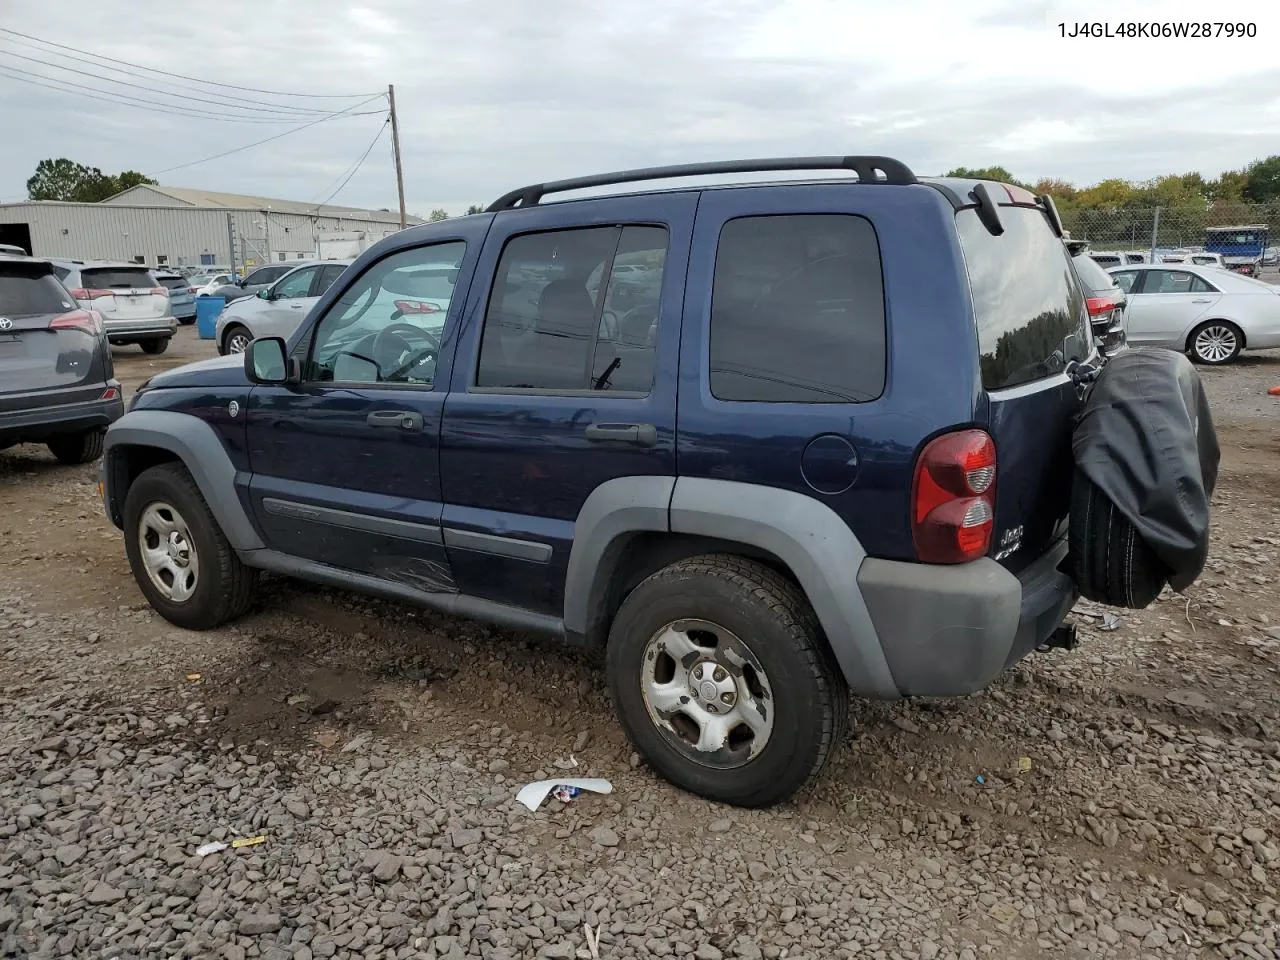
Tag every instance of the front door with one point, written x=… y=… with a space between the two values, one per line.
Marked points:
x=565 y=378
x=345 y=464
x=1166 y=306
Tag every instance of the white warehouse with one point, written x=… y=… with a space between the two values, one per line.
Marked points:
x=178 y=226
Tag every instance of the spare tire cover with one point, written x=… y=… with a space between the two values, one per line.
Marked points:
x=1145 y=437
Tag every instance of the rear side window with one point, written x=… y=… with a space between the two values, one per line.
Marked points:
x=25 y=294
x=797 y=311
x=1028 y=306
x=116 y=278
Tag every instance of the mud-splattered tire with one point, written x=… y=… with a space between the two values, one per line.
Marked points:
x=1111 y=563
x=744 y=644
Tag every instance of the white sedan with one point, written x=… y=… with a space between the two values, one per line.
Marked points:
x=1207 y=311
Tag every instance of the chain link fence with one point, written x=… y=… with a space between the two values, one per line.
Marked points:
x=1177 y=232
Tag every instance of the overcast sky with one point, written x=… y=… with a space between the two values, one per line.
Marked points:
x=493 y=94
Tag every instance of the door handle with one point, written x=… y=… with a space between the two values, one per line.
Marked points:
x=295 y=306
x=636 y=434
x=1202 y=300
x=395 y=419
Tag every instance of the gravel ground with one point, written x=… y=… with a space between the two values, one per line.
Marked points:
x=1129 y=802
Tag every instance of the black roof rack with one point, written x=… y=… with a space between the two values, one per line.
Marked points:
x=895 y=172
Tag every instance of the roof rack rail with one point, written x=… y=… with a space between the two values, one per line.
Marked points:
x=895 y=172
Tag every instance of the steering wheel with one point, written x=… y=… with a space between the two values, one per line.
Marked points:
x=390 y=346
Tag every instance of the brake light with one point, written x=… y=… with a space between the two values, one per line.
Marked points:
x=160 y=291
x=109 y=394
x=86 y=320
x=953 y=502
x=416 y=306
x=1101 y=305
x=83 y=294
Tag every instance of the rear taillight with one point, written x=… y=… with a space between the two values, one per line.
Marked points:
x=953 y=498
x=160 y=291
x=86 y=320
x=109 y=394
x=416 y=306
x=82 y=294
x=1101 y=306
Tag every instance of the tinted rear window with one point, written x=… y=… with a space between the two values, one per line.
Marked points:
x=1092 y=275
x=26 y=294
x=116 y=278
x=1028 y=306
x=1105 y=261
x=175 y=283
x=797 y=310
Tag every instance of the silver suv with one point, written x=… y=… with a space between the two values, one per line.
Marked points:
x=133 y=304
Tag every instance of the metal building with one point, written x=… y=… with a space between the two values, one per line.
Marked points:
x=177 y=226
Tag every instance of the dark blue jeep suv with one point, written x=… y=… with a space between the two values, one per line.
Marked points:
x=765 y=444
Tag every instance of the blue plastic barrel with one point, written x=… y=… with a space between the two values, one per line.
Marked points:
x=207 y=310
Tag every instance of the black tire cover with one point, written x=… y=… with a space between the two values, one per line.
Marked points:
x=1145 y=437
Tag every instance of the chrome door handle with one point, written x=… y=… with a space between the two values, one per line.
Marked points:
x=1202 y=300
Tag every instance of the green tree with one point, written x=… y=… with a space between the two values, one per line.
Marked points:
x=1262 y=180
x=1228 y=188
x=64 y=179
x=474 y=208
x=438 y=214
x=986 y=173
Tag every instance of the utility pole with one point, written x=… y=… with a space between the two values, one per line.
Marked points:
x=395 y=148
x=231 y=244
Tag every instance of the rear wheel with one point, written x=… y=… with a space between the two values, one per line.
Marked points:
x=724 y=682
x=77 y=447
x=1111 y=563
x=236 y=340
x=179 y=557
x=1215 y=342
x=156 y=345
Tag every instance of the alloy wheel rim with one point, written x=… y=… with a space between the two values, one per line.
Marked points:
x=1215 y=344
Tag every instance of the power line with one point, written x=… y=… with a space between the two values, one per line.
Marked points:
x=121 y=99
x=179 y=76
x=258 y=143
x=289 y=115
x=225 y=99
x=364 y=156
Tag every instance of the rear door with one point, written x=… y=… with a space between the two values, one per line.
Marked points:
x=1167 y=305
x=565 y=379
x=1031 y=322
x=49 y=349
x=123 y=294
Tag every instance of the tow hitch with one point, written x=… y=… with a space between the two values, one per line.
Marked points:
x=1063 y=638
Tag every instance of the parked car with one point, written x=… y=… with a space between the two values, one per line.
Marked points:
x=57 y=385
x=9 y=250
x=182 y=302
x=257 y=280
x=133 y=305
x=277 y=310
x=862 y=483
x=1206 y=260
x=1211 y=313
x=1113 y=258
x=1106 y=303
x=1271 y=256
x=207 y=284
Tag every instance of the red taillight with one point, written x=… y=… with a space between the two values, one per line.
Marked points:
x=953 y=498
x=82 y=294
x=1098 y=306
x=86 y=320
x=109 y=394
x=416 y=306
x=160 y=291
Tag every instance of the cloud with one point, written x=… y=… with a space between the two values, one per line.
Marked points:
x=491 y=98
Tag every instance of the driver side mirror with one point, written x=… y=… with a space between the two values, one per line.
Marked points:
x=265 y=362
x=264 y=293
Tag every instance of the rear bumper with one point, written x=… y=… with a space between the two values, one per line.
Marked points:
x=131 y=331
x=950 y=630
x=37 y=424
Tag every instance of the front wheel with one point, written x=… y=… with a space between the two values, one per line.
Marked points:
x=179 y=556
x=723 y=681
x=1215 y=342
x=236 y=340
